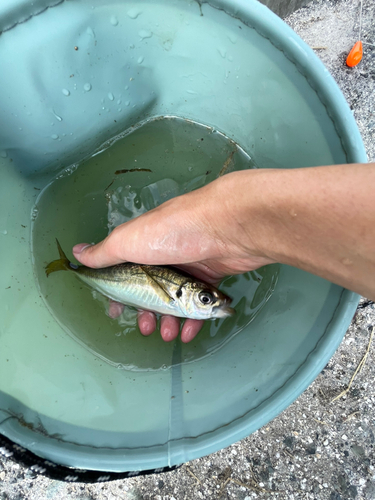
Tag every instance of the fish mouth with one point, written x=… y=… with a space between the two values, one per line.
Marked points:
x=224 y=311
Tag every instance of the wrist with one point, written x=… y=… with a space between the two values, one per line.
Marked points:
x=243 y=211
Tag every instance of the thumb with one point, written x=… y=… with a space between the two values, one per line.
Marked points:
x=99 y=255
x=169 y=234
x=125 y=243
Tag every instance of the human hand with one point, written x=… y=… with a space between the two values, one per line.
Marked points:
x=197 y=232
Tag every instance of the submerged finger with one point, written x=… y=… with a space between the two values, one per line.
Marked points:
x=146 y=322
x=115 y=309
x=191 y=329
x=169 y=328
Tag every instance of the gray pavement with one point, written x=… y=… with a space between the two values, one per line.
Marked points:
x=315 y=449
x=284 y=7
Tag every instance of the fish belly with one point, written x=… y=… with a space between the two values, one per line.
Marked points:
x=139 y=296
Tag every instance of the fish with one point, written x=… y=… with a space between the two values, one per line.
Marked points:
x=161 y=289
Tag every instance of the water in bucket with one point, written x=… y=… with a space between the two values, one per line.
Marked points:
x=131 y=174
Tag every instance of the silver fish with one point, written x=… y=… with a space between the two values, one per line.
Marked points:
x=160 y=289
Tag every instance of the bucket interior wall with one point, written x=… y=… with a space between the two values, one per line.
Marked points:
x=79 y=73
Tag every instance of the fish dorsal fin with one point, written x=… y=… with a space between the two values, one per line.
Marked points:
x=157 y=286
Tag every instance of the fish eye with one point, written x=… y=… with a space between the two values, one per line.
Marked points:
x=206 y=298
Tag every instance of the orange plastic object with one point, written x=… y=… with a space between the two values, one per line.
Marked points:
x=355 y=55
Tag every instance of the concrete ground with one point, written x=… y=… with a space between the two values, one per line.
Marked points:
x=316 y=449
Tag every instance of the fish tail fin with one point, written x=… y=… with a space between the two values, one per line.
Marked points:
x=62 y=264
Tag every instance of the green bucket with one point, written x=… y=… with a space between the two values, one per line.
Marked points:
x=78 y=74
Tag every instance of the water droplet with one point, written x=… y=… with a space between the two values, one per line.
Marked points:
x=114 y=21
x=191 y=92
x=222 y=52
x=110 y=96
x=145 y=34
x=75 y=86
x=87 y=87
x=119 y=109
x=118 y=334
x=119 y=101
x=190 y=169
x=230 y=58
x=131 y=46
x=20 y=128
x=54 y=136
x=3 y=154
x=90 y=32
x=126 y=87
x=65 y=92
x=68 y=171
x=34 y=213
x=163 y=367
x=133 y=13
x=57 y=116
x=140 y=59
x=5 y=231
x=232 y=38
x=127 y=103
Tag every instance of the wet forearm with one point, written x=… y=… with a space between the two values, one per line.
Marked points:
x=318 y=219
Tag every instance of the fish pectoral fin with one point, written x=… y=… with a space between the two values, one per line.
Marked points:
x=158 y=288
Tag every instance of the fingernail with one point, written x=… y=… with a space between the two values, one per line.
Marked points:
x=77 y=249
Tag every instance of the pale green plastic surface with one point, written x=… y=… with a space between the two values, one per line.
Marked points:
x=229 y=64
